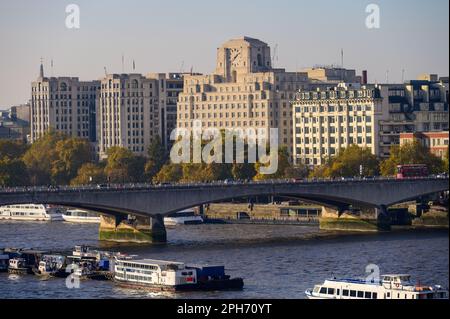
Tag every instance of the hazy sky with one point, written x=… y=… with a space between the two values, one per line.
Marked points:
x=160 y=35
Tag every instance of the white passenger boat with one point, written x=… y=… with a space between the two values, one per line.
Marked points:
x=30 y=212
x=159 y=275
x=388 y=287
x=185 y=217
x=80 y=216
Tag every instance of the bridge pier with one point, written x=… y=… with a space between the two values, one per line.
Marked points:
x=133 y=230
x=361 y=220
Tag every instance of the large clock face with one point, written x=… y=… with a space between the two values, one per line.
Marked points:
x=235 y=57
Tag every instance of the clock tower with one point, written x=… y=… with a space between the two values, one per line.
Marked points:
x=242 y=56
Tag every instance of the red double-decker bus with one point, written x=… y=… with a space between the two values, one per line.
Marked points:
x=411 y=171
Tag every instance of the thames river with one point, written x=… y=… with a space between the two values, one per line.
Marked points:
x=275 y=261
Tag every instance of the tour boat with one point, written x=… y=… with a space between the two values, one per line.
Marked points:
x=389 y=287
x=185 y=217
x=158 y=275
x=80 y=216
x=30 y=212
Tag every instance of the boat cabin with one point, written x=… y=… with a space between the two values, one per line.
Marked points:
x=154 y=272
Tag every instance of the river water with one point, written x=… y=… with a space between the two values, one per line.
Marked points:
x=275 y=261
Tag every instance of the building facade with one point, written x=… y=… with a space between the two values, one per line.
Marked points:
x=127 y=112
x=63 y=104
x=14 y=123
x=328 y=120
x=133 y=109
x=436 y=142
x=416 y=106
x=244 y=91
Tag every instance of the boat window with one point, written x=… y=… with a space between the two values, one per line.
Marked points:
x=345 y=292
x=374 y=295
x=338 y=292
x=352 y=293
x=323 y=290
x=388 y=294
x=367 y=295
x=331 y=291
x=360 y=294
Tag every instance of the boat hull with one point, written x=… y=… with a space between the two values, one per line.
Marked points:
x=212 y=285
x=81 y=220
x=20 y=271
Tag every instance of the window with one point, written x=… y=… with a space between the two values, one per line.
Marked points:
x=367 y=295
x=331 y=291
x=323 y=290
x=352 y=293
x=345 y=292
x=360 y=294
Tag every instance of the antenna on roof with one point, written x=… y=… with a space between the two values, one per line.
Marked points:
x=403 y=75
x=387 y=76
x=123 y=63
x=51 y=66
x=106 y=72
x=342 y=58
x=182 y=67
x=275 y=55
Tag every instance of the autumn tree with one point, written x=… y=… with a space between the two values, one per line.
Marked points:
x=89 y=173
x=122 y=166
x=12 y=149
x=40 y=157
x=169 y=173
x=13 y=172
x=283 y=165
x=157 y=157
x=411 y=153
x=72 y=153
x=348 y=163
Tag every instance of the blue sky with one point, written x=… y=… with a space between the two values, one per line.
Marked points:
x=161 y=35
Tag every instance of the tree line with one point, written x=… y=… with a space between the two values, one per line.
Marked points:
x=57 y=159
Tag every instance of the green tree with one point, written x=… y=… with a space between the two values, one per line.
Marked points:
x=283 y=165
x=89 y=173
x=157 y=157
x=72 y=153
x=169 y=173
x=410 y=153
x=243 y=171
x=40 y=157
x=122 y=166
x=445 y=162
x=13 y=172
x=12 y=149
x=348 y=163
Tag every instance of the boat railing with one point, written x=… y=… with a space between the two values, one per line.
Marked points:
x=356 y=281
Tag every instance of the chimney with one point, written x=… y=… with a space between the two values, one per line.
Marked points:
x=364 y=77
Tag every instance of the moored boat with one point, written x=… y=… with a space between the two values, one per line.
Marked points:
x=19 y=266
x=30 y=212
x=185 y=217
x=388 y=287
x=51 y=266
x=80 y=216
x=159 y=275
